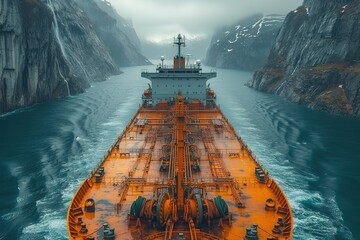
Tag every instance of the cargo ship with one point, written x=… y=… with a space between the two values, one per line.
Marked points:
x=179 y=170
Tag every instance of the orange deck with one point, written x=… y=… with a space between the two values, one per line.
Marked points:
x=227 y=168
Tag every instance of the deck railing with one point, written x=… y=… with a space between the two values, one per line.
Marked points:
x=284 y=206
x=75 y=205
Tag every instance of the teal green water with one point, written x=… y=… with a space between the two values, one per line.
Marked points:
x=48 y=149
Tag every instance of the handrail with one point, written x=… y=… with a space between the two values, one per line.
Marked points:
x=281 y=197
x=87 y=183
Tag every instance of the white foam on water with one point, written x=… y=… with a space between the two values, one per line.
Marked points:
x=116 y=123
x=309 y=207
x=18 y=111
x=52 y=226
x=9 y=216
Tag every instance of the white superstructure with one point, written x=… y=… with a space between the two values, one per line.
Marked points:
x=167 y=83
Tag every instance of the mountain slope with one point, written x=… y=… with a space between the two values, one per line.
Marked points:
x=84 y=51
x=32 y=67
x=244 y=45
x=124 y=49
x=315 y=59
x=50 y=49
x=123 y=25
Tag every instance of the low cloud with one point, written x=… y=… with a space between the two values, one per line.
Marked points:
x=157 y=20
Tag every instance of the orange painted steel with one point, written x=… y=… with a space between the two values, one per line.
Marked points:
x=227 y=168
x=176 y=62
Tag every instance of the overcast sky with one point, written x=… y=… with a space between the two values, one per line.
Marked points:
x=157 y=20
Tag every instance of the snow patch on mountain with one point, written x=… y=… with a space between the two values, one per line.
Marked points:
x=252 y=36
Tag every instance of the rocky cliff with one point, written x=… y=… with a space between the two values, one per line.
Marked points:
x=315 y=59
x=122 y=24
x=118 y=35
x=50 y=49
x=86 y=54
x=45 y=49
x=244 y=45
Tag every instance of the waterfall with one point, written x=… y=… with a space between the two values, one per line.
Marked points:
x=67 y=86
x=62 y=76
x=82 y=67
x=57 y=35
x=72 y=57
x=56 y=29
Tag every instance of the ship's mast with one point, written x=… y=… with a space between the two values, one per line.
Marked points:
x=179 y=42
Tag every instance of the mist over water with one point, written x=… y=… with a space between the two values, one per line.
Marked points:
x=47 y=150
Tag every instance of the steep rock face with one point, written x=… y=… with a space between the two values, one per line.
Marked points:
x=83 y=50
x=48 y=50
x=32 y=67
x=106 y=22
x=244 y=45
x=315 y=59
x=122 y=24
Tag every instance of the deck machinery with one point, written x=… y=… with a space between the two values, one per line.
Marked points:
x=179 y=171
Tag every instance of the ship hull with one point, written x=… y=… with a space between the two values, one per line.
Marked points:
x=221 y=165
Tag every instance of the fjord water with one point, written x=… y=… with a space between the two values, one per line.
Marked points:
x=47 y=150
